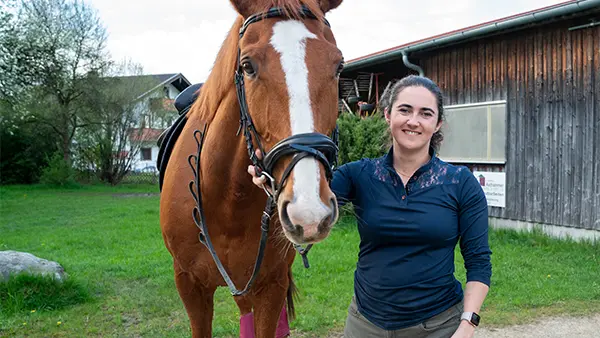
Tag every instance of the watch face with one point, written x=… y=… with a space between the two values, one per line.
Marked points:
x=475 y=319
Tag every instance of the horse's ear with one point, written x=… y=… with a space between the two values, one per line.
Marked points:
x=327 y=5
x=244 y=7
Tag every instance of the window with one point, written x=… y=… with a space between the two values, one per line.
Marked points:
x=475 y=133
x=146 y=154
x=146 y=121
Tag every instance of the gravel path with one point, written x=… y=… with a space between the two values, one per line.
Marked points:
x=553 y=327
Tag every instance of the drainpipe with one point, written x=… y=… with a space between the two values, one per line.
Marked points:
x=411 y=65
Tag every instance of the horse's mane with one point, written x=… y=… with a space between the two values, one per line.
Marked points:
x=220 y=80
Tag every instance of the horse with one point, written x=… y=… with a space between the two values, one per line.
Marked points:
x=273 y=90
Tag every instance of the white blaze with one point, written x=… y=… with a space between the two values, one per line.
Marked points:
x=289 y=40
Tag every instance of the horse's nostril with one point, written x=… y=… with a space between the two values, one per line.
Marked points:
x=285 y=217
x=333 y=204
x=327 y=221
x=334 y=208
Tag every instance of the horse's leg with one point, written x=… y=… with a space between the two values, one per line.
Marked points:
x=198 y=302
x=268 y=305
x=246 y=317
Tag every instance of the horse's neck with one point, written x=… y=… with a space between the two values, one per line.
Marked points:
x=218 y=106
x=227 y=160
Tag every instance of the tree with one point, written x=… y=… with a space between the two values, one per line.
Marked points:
x=25 y=147
x=50 y=51
x=110 y=143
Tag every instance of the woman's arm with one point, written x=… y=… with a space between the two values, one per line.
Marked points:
x=475 y=293
x=473 y=226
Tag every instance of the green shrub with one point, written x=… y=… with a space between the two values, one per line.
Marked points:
x=58 y=172
x=24 y=148
x=361 y=137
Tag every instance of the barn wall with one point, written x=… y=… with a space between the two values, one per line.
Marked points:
x=550 y=78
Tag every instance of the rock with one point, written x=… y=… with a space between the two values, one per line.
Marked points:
x=13 y=262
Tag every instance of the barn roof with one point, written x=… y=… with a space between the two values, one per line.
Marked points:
x=474 y=32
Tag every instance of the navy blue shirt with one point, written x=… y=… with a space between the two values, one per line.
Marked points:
x=405 y=269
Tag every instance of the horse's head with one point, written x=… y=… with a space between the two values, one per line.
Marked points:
x=288 y=69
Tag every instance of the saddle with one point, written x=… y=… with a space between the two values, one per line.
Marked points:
x=166 y=140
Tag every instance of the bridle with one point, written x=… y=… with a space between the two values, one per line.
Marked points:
x=316 y=145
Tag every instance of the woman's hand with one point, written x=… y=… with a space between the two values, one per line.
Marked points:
x=465 y=330
x=259 y=181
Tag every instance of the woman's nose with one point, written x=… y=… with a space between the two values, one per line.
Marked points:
x=413 y=120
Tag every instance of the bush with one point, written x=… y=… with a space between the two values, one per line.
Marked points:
x=58 y=172
x=361 y=137
x=24 y=150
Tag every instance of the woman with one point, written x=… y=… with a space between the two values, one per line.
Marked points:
x=412 y=209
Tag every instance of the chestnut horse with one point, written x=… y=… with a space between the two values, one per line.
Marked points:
x=274 y=88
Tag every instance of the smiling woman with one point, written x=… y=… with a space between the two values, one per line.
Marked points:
x=416 y=110
x=412 y=209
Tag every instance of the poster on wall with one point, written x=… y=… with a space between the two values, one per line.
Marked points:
x=494 y=187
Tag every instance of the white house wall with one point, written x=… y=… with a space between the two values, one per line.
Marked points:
x=150 y=165
x=143 y=107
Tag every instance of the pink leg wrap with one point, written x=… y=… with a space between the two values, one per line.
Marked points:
x=247 y=325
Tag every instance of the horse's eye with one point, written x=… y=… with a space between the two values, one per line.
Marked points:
x=248 y=68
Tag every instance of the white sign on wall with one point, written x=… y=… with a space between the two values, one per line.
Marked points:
x=494 y=187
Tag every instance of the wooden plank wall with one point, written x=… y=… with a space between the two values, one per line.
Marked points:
x=550 y=77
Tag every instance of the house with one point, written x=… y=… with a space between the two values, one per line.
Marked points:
x=522 y=101
x=156 y=113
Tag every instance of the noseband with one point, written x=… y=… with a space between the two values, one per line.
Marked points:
x=299 y=146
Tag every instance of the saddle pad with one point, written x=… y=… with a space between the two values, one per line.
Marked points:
x=165 y=146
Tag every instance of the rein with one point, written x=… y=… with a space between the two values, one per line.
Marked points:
x=316 y=145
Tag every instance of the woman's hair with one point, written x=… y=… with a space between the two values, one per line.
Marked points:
x=389 y=96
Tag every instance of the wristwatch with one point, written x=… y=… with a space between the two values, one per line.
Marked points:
x=471 y=317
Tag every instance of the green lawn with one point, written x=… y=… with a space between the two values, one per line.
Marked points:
x=108 y=239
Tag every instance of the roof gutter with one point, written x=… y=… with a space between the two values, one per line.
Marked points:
x=476 y=32
x=169 y=80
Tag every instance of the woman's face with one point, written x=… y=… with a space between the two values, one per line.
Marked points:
x=413 y=118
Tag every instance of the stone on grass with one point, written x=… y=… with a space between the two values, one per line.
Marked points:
x=15 y=262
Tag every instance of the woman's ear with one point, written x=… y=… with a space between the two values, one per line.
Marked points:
x=439 y=126
x=386 y=113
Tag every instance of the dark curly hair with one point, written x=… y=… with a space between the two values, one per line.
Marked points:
x=388 y=98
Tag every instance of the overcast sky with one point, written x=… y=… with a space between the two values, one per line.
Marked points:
x=183 y=36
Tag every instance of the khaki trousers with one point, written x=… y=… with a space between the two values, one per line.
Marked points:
x=442 y=325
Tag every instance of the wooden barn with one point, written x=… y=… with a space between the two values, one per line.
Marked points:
x=522 y=103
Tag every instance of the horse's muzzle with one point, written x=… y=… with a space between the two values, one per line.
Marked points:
x=303 y=226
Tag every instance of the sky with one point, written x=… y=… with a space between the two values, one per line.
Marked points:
x=184 y=36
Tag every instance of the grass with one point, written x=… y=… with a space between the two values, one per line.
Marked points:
x=24 y=292
x=108 y=240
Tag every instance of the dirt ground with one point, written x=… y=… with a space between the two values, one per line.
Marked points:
x=552 y=327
